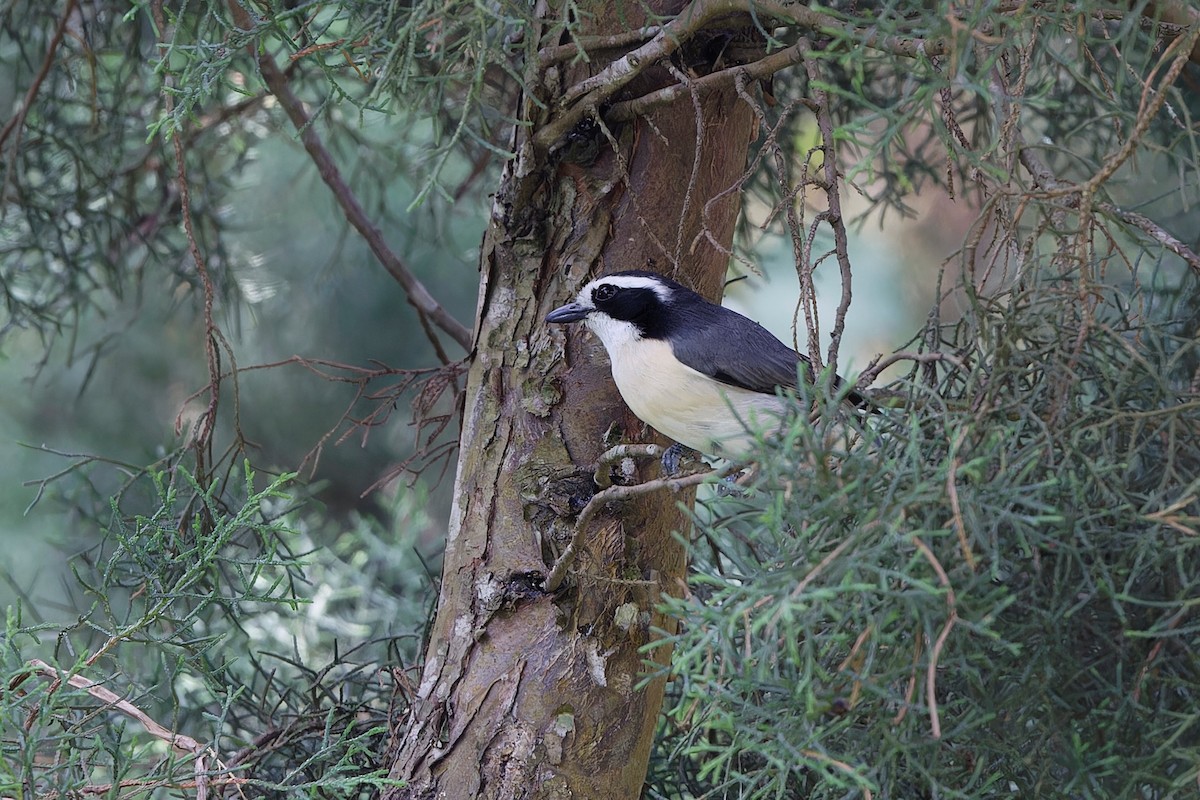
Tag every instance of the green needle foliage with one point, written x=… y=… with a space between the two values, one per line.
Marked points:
x=991 y=593
x=227 y=628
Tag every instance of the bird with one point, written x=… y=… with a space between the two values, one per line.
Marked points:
x=697 y=372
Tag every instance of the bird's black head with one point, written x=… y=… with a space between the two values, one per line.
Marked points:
x=645 y=299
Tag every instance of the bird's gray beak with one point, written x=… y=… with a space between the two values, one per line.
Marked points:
x=571 y=312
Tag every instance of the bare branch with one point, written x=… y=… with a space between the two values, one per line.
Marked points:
x=206 y=425
x=591 y=93
x=757 y=70
x=621 y=452
x=18 y=118
x=615 y=494
x=1154 y=231
x=935 y=724
x=416 y=292
x=1044 y=178
x=812 y=19
x=595 y=90
x=1183 y=14
x=867 y=376
x=833 y=216
x=111 y=698
x=584 y=45
x=1151 y=103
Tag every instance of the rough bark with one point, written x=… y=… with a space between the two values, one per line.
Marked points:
x=524 y=693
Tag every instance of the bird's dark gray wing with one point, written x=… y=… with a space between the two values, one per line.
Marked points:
x=734 y=350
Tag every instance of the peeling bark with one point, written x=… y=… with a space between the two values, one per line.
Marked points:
x=526 y=694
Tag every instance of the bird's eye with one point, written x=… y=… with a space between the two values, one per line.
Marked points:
x=605 y=291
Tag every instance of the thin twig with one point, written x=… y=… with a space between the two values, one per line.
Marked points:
x=1045 y=179
x=911 y=688
x=707 y=84
x=203 y=432
x=806 y=581
x=615 y=494
x=17 y=121
x=593 y=92
x=935 y=723
x=1154 y=231
x=833 y=215
x=697 y=159
x=415 y=291
x=1180 y=13
x=583 y=45
x=581 y=99
x=868 y=375
x=177 y=740
x=1144 y=671
x=1147 y=111
x=842 y=766
x=960 y=528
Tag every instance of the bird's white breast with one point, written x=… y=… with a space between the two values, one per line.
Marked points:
x=681 y=402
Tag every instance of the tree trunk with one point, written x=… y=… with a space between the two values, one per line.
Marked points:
x=525 y=693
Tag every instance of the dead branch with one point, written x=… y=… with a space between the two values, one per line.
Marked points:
x=1179 y=13
x=833 y=214
x=615 y=494
x=713 y=82
x=356 y=215
x=618 y=453
x=203 y=432
x=18 y=119
x=177 y=740
x=589 y=94
x=183 y=743
x=584 y=45
x=1151 y=103
x=867 y=376
x=1154 y=231
x=935 y=724
x=1045 y=179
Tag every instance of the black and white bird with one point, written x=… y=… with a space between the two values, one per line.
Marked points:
x=697 y=372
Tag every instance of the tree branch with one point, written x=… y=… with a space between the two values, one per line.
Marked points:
x=615 y=494
x=18 y=118
x=1147 y=111
x=1154 y=231
x=613 y=455
x=935 y=724
x=584 y=45
x=833 y=201
x=1183 y=14
x=1045 y=179
x=868 y=375
x=417 y=294
x=178 y=741
x=595 y=90
x=17 y=121
x=715 y=81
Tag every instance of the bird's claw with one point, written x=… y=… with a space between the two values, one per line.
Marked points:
x=674 y=457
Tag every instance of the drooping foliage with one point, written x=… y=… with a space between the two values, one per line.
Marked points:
x=988 y=593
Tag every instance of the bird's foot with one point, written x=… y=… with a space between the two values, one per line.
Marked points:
x=675 y=457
